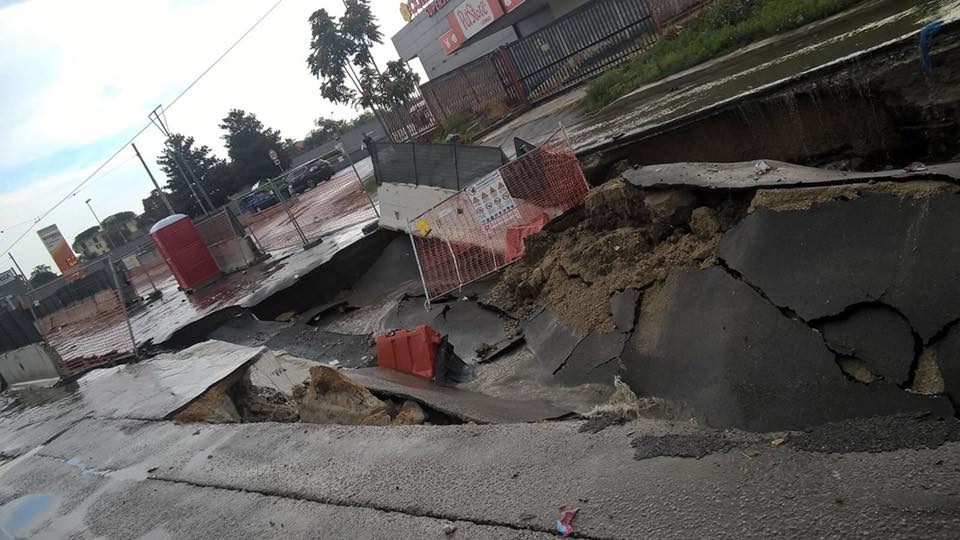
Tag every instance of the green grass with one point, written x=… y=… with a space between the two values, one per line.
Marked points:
x=725 y=26
x=370 y=184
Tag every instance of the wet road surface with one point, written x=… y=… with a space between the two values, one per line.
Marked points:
x=728 y=78
x=126 y=478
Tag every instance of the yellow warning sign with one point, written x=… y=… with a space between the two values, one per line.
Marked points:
x=423 y=227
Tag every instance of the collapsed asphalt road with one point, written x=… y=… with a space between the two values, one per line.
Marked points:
x=810 y=308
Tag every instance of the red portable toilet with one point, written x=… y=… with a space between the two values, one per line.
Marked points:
x=186 y=254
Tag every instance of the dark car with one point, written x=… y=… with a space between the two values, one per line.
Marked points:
x=309 y=176
x=259 y=200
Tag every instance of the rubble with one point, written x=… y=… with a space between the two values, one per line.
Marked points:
x=628 y=239
x=332 y=398
x=215 y=406
x=874 y=248
x=877 y=336
x=711 y=343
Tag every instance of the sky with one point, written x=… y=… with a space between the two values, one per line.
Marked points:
x=78 y=79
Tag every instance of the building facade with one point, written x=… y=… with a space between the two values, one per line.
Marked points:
x=446 y=34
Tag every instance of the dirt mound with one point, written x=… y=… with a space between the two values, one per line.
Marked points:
x=628 y=238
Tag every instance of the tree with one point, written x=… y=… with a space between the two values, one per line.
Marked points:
x=78 y=242
x=327 y=128
x=248 y=144
x=153 y=210
x=41 y=275
x=209 y=170
x=340 y=51
x=397 y=85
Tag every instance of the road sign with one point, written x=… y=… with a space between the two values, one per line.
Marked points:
x=273 y=155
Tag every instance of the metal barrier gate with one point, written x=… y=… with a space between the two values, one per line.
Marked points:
x=83 y=316
x=580 y=45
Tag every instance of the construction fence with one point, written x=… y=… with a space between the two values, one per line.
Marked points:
x=482 y=228
x=302 y=219
x=83 y=316
x=449 y=166
x=563 y=54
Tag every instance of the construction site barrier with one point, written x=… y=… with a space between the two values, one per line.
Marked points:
x=330 y=206
x=83 y=316
x=482 y=228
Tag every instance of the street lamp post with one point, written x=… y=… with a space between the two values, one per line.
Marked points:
x=99 y=223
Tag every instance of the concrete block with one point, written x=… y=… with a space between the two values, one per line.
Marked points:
x=30 y=363
x=400 y=203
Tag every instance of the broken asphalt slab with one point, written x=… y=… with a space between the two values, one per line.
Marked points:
x=743 y=175
x=948 y=358
x=596 y=359
x=877 y=335
x=468 y=472
x=179 y=317
x=878 y=434
x=874 y=248
x=714 y=345
x=464 y=405
x=471 y=328
x=623 y=307
x=159 y=387
x=551 y=341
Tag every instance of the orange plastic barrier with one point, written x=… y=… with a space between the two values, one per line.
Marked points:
x=412 y=351
x=515 y=235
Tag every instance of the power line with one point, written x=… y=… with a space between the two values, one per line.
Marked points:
x=144 y=128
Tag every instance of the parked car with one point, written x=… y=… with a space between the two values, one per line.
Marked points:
x=308 y=176
x=259 y=200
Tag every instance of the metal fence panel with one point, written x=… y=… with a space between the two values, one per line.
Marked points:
x=485 y=86
x=86 y=325
x=450 y=166
x=332 y=205
x=217 y=227
x=481 y=229
x=580 y=45
x=409 y=122
x=17 y=330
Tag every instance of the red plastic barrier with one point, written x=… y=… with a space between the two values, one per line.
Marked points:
x=515 y=235
x=412 y=351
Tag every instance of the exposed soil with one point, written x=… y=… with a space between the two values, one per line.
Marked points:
x=803 y=198
x=628 y=238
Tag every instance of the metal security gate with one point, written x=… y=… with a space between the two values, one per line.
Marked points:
x=580 y=45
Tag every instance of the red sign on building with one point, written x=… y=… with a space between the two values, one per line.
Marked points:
x=511 y=5
x=472 y=16
x=449 y=42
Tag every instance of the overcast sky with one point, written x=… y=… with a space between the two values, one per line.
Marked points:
x=80 y=77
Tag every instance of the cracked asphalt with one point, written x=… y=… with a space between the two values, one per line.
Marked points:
x=121 y=478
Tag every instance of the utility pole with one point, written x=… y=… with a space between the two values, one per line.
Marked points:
x=105 y=233
x=29 y=288
x=163 y=195
x=158 y=119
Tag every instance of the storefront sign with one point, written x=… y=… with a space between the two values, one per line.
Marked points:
x=411 y=8
x=510 y=5
x=449 y=42
x=7 y=277
x=58 y=248
x=472 y=16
